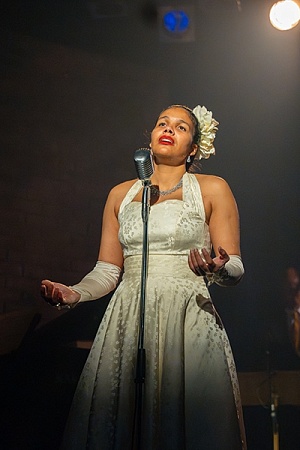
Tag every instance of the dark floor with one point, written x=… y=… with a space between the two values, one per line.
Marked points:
x=39 y=379
x=38 y=383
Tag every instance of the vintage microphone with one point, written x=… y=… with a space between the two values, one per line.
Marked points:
x=144 y=167
x=143 y=163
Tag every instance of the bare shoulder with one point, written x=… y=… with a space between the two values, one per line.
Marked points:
x=122 y=188
x=213 y=185
x=217 y=196
x=118 y=192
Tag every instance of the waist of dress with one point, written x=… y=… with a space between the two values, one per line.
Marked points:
x=161 y=265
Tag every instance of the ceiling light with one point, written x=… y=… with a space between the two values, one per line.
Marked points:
x=285 y=15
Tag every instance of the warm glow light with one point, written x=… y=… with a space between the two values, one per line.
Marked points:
x=285 y=15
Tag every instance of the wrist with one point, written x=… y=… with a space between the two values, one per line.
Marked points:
x=228 y=275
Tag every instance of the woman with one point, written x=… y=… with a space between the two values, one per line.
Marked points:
x=190 y=399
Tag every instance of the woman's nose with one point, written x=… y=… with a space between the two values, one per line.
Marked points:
x=169 y=130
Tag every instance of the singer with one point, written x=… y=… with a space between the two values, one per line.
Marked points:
x=191 y=396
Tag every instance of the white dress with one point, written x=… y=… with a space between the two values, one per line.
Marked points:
x=191 y=396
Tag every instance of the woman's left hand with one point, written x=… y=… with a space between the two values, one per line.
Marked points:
x=203 y=264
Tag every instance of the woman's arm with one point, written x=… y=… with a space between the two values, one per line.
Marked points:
x=104 y=277
x=222 y=216
x=110 y=248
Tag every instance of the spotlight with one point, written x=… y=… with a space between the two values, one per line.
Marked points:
x=285 y=15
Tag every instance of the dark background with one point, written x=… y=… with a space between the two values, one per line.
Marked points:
x=80 y=90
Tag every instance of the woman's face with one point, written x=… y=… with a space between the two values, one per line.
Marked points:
x=172 y=136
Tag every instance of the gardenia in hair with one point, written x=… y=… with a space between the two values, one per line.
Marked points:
x=208 y=128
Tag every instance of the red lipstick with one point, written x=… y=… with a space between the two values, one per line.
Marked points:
x=166 y=140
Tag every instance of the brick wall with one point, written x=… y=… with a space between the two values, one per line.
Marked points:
x=70 y=122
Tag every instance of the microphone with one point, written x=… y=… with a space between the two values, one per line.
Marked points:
x=143 y=164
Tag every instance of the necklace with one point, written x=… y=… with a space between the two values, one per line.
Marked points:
x=169 y=191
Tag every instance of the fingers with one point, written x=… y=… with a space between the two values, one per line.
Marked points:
x=46 y=289
x=202 y=263
x=209 y=262
x=51 y=292
x=223 y=254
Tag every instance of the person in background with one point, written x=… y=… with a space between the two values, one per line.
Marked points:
x=292 y=306
x=190 y=394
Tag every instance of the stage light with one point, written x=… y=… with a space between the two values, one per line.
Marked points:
x=176 y=23
x=285 y=15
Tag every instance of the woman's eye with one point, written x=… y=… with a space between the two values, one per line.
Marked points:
x=161 y=124
x=181 y=127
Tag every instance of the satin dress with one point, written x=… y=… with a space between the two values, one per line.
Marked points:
x=190 y=394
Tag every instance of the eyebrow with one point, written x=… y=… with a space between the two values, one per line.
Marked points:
x=178 y=120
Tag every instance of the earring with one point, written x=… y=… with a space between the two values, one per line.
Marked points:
x=188 y=159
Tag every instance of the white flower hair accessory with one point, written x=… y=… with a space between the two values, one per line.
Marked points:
x=208 y=127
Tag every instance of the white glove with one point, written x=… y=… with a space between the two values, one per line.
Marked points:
x=230 y=274
x=99 y=282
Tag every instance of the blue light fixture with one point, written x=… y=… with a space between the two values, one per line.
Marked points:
x=176 y=21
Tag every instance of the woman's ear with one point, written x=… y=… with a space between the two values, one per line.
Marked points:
x=194 y=150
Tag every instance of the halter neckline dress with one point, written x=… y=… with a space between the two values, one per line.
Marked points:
x=191 y=397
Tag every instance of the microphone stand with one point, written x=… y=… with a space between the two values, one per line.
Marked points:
x=273 y=396
x=274 y=405
x=141 y=353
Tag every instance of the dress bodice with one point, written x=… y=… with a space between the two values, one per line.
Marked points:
x=174 y=226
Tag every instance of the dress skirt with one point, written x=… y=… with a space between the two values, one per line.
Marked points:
x=190 y=394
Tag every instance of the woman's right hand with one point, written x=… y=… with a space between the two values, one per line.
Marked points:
x=57 y=294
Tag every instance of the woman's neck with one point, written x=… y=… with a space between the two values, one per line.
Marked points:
x=167 y=176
